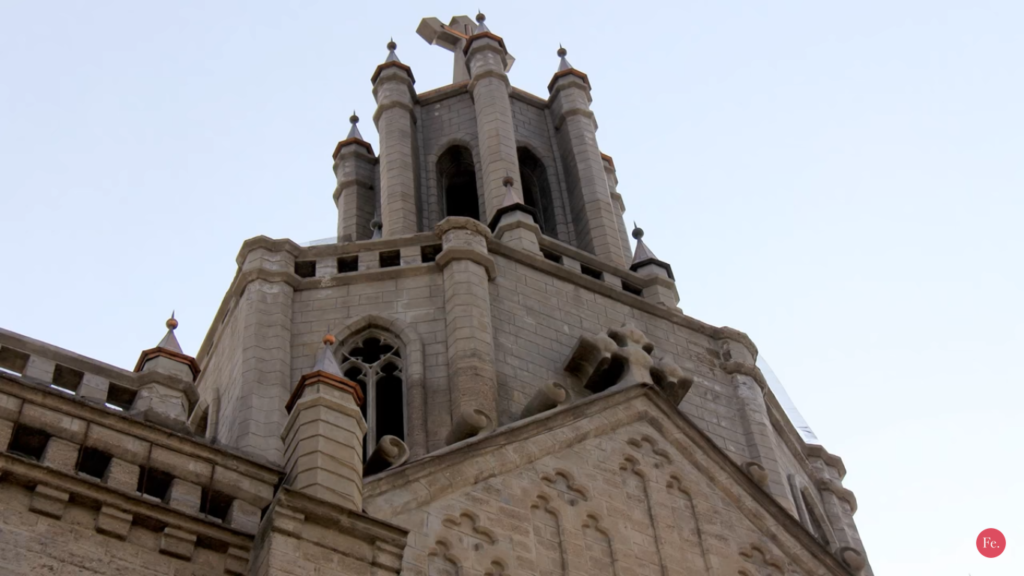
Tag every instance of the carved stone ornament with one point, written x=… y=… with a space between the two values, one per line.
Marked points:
x=623 y=357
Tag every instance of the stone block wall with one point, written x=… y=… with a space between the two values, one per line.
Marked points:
x=626 y=492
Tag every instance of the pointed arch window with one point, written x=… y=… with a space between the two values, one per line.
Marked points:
x=373 y=359
x=456 y=182
x=537 y=189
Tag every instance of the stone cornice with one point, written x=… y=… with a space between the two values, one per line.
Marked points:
x=527 y=97
x=481 y=36
x=328 y=379
x=508 y=449
x=352 y=141
x=564 y=73
x=159 y=352
x=382 y=67
x=35 y=473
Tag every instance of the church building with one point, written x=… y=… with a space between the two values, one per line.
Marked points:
x=477 y=377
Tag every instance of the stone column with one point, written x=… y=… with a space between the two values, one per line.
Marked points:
x=324 y=438
x=618 y=204
x=396 y=125
x=489 y=86
x=354 y=165
x=840 y=506
x=739 y=361
x=594 y=217
x=256 y=416
x=471 y=377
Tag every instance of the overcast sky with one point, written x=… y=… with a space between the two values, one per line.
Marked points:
x=844 y=181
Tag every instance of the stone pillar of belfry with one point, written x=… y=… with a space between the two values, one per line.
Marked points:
x=590 y=203
x=840 y=505
x=468 y=268
x=488 y=62
x=354 y=164
x=618 y=204
x=323 y=438
x=396 y=124
x=739 y=360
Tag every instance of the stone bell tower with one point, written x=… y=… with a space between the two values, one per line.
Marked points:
x=477 y=377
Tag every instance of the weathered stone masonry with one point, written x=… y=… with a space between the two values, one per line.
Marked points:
x=431 y=394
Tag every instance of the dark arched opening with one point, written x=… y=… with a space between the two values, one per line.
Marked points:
x=536 y=189
x=456 y=181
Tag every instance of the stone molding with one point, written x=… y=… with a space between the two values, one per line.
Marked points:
x=327 y=379
x=56 y=479
x=382 y=67
x=353 y=141
x=568 y=72
x=159 y=352
x=485 y=35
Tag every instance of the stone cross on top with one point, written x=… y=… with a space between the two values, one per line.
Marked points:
x=453 y=38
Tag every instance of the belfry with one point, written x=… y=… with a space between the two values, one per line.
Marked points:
x=478 y=376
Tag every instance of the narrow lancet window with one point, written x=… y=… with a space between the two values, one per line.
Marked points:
x=537 y=190
x=456 y=180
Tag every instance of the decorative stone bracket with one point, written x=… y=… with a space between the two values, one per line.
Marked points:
x=623 y=357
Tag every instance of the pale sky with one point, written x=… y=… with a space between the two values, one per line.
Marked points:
x=844 y=181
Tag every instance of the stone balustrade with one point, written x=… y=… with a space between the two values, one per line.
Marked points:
x=71 y=452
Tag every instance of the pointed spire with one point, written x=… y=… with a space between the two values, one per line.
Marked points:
x=392 y=57
x=642 y=251
x=563 y=64
x=480 y=26
x=170 y=342
x=354 y=131
x=512 y=202
x=325 y=361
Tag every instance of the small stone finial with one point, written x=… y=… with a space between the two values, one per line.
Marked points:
x=376 y=225
x=171 y=322
x=563 y=64
x=638 y=232
x=329 y=340
x=507 y=181
x=480 y=26
x=353 y=132
x=392 y=57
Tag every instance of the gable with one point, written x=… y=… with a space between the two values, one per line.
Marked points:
x=619 y=483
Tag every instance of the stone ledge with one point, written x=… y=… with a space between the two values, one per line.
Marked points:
x=34 y=473
x=818 y=451
x=443 y=93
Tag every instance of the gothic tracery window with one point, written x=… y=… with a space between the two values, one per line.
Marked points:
x=373 y=360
